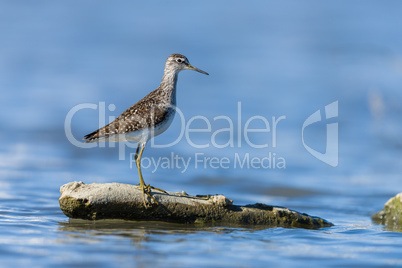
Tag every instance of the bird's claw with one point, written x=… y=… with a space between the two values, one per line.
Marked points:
x=146 y=190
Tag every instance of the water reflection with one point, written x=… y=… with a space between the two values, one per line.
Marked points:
x=128 y=228
x=142 y=233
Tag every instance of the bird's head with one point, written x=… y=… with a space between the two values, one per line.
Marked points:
x=178 y=62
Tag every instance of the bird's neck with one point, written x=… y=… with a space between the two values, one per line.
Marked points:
x=168 y=85
x=169 y=80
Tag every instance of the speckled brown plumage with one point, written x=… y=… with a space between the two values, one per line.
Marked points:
x=149 y=112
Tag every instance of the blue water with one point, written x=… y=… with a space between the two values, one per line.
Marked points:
x=267 y=60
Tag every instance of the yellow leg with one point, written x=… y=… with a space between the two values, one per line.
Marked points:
x=137 y=158
x=146 y=189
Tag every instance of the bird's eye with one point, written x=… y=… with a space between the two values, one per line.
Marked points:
x=179 y=60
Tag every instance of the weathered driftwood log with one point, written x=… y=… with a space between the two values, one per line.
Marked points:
x=123 y=201
x=391 y=214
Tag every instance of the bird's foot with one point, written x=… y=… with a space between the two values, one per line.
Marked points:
x=146 y=190
x=149 y=187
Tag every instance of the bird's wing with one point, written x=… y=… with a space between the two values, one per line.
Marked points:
x=146 y=113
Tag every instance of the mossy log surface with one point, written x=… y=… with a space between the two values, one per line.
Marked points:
x=391 y=214
x=122 y=201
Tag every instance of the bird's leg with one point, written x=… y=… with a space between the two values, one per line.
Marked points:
x=143 y=187
x=146 y=189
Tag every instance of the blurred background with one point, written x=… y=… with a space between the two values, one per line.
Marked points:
x=285 y=58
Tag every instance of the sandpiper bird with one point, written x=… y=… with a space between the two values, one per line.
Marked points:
x=147 y=118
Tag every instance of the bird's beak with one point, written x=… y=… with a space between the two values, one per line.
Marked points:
x=191 y=67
